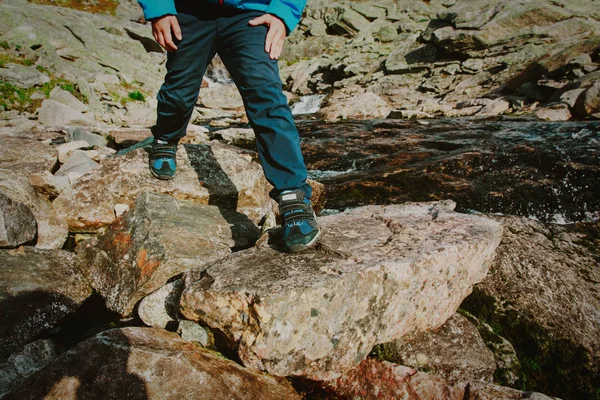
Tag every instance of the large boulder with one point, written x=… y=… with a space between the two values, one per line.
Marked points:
x=542 y=295
x=17 y=223
x=51 y=229
x=365 y=105
x=377 y=274
x=374 y=379
x=213 y=174
x=38 y=288
x=455 y=351
x=148 y=364
x=159 y=238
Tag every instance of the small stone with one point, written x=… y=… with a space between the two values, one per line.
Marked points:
x=192 y=332
x=54 y=113
x=121 y=209
x=78 y=133
x=160 y=308
x=66 y=98
x=37 y=95
x=555 y=112
x=78 y=164
x=48 y=184
x=495 y=107
x=65 y=150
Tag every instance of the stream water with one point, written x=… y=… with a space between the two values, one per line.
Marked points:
x=542 y=170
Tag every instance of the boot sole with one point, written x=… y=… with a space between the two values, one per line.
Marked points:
x=161 y=177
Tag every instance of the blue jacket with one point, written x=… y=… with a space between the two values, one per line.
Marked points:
x=289 y=11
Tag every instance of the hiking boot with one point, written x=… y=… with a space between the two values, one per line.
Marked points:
x=163 y=160
x=299 y=222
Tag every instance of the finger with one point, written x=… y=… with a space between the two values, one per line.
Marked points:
x=263 y=19
x=271 y=36
x=160 y=39
x=169 y=40
x=277 y=48
x=176 y=29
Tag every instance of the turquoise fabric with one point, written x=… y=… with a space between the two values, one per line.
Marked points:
x=289 y=11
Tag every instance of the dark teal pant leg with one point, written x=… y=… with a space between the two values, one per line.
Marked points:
x=185 y=68
x=242 y=49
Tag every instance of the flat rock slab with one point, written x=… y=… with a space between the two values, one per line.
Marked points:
x=159 y=238
x=148 y=364
x=26 y=155
x=213 y=174
x=378 y=273
x=37 y=289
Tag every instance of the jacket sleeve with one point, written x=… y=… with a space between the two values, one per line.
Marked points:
x=157 y=8
x=289 y=11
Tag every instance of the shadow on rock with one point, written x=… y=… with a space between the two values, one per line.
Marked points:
x=223 y=194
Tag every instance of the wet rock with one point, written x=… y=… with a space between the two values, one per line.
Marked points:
x=26 y=156
x=374 y=379
x=554 y=112
x=17 y=223
x=455 y=351
x=144 y=363
x=38 y=288
x=25 y=363
x=51 y=229
x=53 y=113
x=159 y=238
x=213 y=174
x=541 y=295
x=22 y=76
x=365 y=105
x=161 y=308
x=77 y=165
x=320 y=312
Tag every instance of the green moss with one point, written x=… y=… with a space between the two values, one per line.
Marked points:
x=136 y=96
x=4 y=45
x=7 y=58
x=553 y=366
x=14 y=98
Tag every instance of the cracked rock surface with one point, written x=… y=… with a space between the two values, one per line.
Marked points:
x=378 y=273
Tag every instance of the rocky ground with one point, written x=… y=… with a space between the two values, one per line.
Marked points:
x=116 y=285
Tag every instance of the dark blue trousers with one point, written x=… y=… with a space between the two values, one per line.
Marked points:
x=211 y=29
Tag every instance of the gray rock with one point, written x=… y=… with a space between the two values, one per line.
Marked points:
x=235 y=136
x=589 y=101
x=66 y=98
x=159 y=238
x=52 y=231
x=65 y=150
x=369 y=11
x=78 y=164
x=33 y=357
x=38 y=288
x=495 y=107
x=345 y=21
x=75 y=134
x=542 y=295
x=320 y=312
x=145 y=363
x=26 y=156
x=215 y=174
x=22 y=76
x=161 y=307
x=17 y=223
x=192 y=332
x=554 y=112
x=53 y=113
x=455 y=351
x=365 y=105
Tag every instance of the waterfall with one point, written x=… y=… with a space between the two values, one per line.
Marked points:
x=308 y=104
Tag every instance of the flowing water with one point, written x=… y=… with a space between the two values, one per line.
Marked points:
x=543 y=170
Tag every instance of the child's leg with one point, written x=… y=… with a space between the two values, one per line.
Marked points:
x=185 y=69
x=242 y=49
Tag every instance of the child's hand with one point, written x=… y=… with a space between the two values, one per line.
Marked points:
x=161 y=29
x=275 y=35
